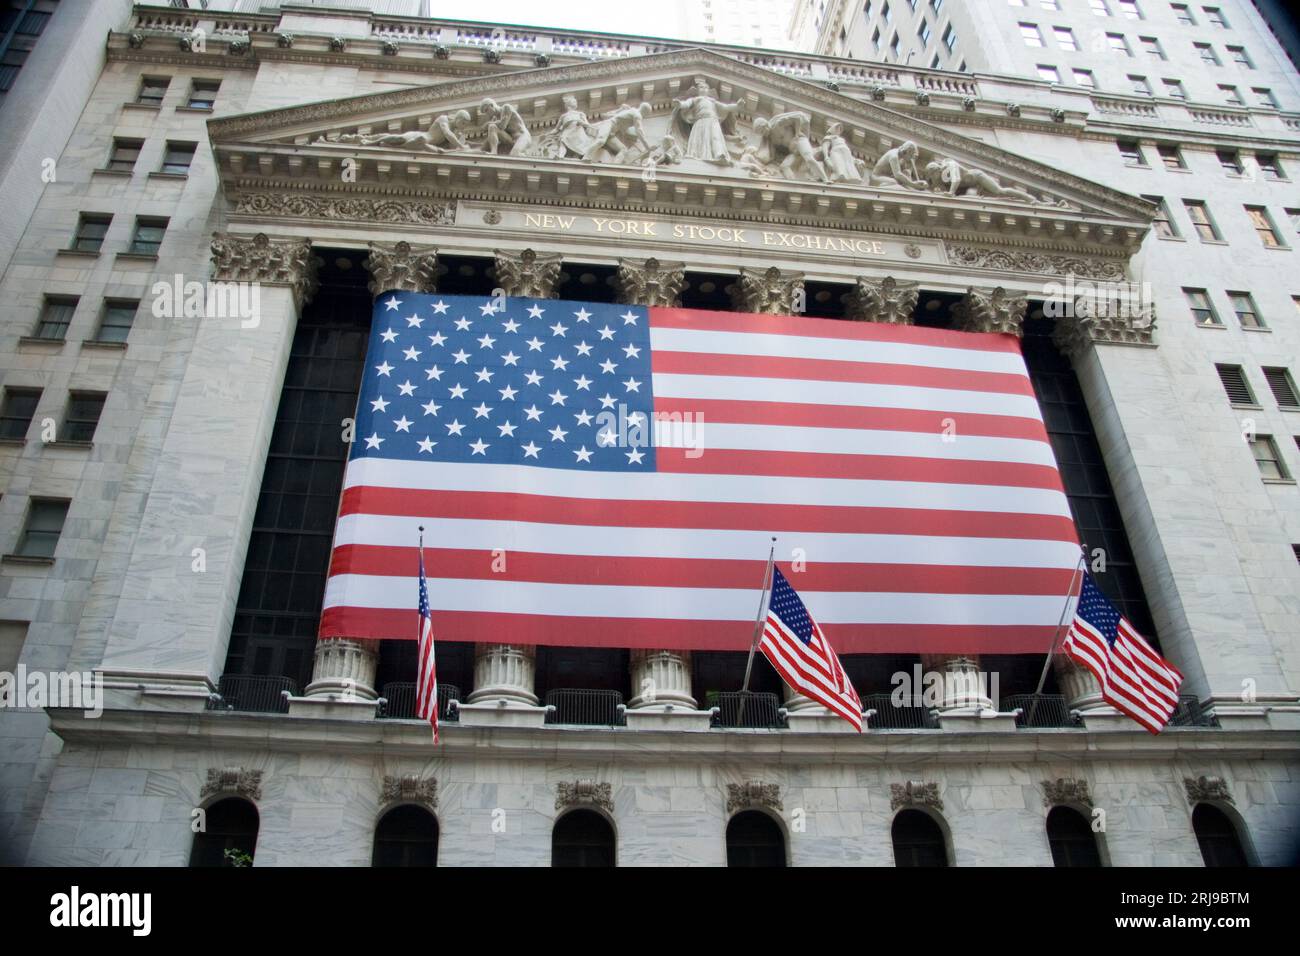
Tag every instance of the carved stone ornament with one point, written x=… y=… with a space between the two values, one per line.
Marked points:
x=651 y=282
x=528 y=273
x=492 y=217
x=491 y=56
x=922 y=98
x=882 y=300
x=584 y=793
x=291 y=206
x=421 y=790
x=389 y=48
x=1077 y=333
x=1037 y=263
x=237 y=47
x=753 y=794
x=233 y=780
x=400 y=267
x=768 y=293
x=1066 y=790
x=914 y=793
x=991 y=310
x=877 y=93
x=338 y=44
x=1013 y=109
x=269 y=261
x=284 y=41
x=444 y=135
x=441 y=52
x=968 y=104
x=1058 y=115
x=135 y=41
x=1207 y=788
x=542 y=59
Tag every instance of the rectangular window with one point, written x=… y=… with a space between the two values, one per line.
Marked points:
x=178 y=157
x=875 y=39
x=1162 y=224
x=84 y=409
x=1264 y=228
x=125 y=153
x=45 y=519
x=866 y=10
x=1282 y=386
x=1130 y=10
x=56 y=316
x=1230 y=160
x=1085 y=78
x=1048 y=73
x=1294 y=216
x=91 y=229
x=893 y=46
x=923 y=32
x=1099 y=7
x=148 y=236
x=1240 y=57
x=1268 y=459
x=1216 y=17
x=1118 y=44
x=1174 y=88
x=950 y=40
x=1198 y=300
x=1234 y=382
x=885 y=14
x=1231 y=95
x=1171 y=156
x=1264 y=96
x=1065 y=38
x=1030 y=34
x=1151 y=46
x=17 y=411
x=936 y=5
x=1269 y=165
x=1184 y=14
x=934 y=62
x=1139 y=85
x=1199 y=213
x=152 y=90
x=117 y=319
x=1207 y=54
x=1131 y=152
x=1244 y=305
x=203 y=94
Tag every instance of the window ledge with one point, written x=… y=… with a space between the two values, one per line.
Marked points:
x=1250 y=406
x=69 y=443
x=1214 y=242
x=121 y=173
x=35 y=340
x=195 y=109
x=151 y=107
x=1279 y=481
x=28 y=559
x=137 y=256
x=1278 y=248
x=1171 y=238
x=1255 y=328
x=159 y=174
x=1178 y=169
x=1211 y=325
x=77 y=253
x=103 y=344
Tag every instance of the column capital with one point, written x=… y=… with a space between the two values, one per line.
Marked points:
x=401 y=267
x=769 y=292
x=1077 y=333
x=532 y=274
x=259 y=258
x=991 y=310
x=882 y=300
x=651 y=282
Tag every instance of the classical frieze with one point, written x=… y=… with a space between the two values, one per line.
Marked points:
x=1038 y=263
x=233 y=781
x=528 y=273
x=770 y=292
x=651 y=282
x=584 y=793
x=991 y=310
x=882 y=300
x=411 y=789
x=264 y=260
x=753 y=795
x=914 y=793
x=1066 y=791
x=401 y=267
x=339 y=209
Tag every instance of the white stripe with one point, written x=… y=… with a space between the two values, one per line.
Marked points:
x=1123 y=671
x=539 y=537
x=712 y=604
x=745 y=388
x=1118 y=680
x=756 y=489
x=790 y=673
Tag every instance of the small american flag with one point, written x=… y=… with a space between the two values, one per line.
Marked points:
x=803 y=657
x=1134 y=679
x=426 y=683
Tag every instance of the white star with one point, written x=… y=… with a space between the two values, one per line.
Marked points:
x=535 y=311
x=583 y=348
x=510 y=358
x=457 y=391
x=507 y=430
x=383 y=369
x=488 y=308
x=583 y=383
x=480 y=447
x=530 y=450
x=440 y=307
x=510 y=325
x=582 y=315
x=454 y=427
x=402 y=424
x=534 y=378
x=379 y=405
x=431 y=407
x=584 y=417
x=463 y=324
x=411 y=354
x=507 y=394
x=559 y=364
x=557 y=397
x=606 y=333
x=426 y=444
x=634 y=457
x=607 y=437
x=632 y=385
x=608 y=367
x=628 y=317
x=534 y=344
x=483 y=375
x=389 y=336
x=434 y=373
x=482 y=410
x=392 y=303
x=406 y=388
x=607 y=401
x=486 y=342
x=437 y=338
x=558 y=433
x=374 y=441
x=631 y=351
x=558 y=329
x=413 y=321
x=534 y=413
x=583 y=455
x=461 y=357
x=635 y=418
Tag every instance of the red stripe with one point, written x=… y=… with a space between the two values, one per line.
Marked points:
x=838 y=370
x=494 y=627
x=831 y=329
x=529 y=566
x=779 y=660
x=713 y=515
x=806 y=464
x=788 y=414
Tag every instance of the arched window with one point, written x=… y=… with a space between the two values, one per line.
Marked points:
x=1219 y=840
x=406 y=836
x=918 y=840
x=229 y=836
x=1072 y=840
x=582 y=838
x=755 y=839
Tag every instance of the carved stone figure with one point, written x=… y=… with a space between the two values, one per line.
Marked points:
x=837 y=156
x=752 y=164
x=619 y=134
x=442 y=136
x=572 y=136
x=667 y=153
x=948 y=175
x=504 y=127
x=883 y=300
x=897 y=167
x=704 y=122
x=785 y=141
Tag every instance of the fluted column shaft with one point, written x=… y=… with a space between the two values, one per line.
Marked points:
x=964 y=687
x=504 y=672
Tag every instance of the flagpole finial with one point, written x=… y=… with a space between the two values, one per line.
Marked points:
x=421 y=529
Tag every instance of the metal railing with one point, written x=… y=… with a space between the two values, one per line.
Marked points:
x=253 y=694
x=596 y=708
x=1190 y=712
x=397 y=701
x=889 y=716
x=1038 y=711
x=762 y=710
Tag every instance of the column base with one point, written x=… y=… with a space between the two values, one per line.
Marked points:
x=155 y=690
x=981 y=720
x=817 y=720
x=501 y=713
x=333 y=707
x=667 y=717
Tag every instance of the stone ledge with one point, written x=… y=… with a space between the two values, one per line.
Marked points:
x=668 y=719
x=501 y=713
x=329 y=706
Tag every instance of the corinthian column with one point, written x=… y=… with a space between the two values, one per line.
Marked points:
x=401 y=267
x=967 y=698
x=991 y=310
x=770 y=293
x=651 y=282
x=528 y=274
x=882 y=300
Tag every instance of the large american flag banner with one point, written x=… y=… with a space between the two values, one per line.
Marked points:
x=1134 y=679
x=611 y=475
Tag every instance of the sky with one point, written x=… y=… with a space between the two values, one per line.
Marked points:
x=613 y=16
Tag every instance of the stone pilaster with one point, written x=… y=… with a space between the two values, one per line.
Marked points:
x=529 y=274
x=401 y=267
x=882 y=300
x=772 y=292
x=651 y=282
x=991 y=310
x=344 y=668
x=266 y=261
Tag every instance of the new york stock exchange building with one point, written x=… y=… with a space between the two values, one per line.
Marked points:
x=247 y=205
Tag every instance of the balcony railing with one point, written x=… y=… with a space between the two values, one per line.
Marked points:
x=254 y=694
x=593 y=708
x=1190 y=712
x=889 y=716
x=1039 y=711
x=399 y=701
x=762 y=710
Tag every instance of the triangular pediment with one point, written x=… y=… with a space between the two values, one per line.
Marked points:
x=693 y=128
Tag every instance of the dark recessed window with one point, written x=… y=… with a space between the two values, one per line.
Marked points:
x=56 y=316
x=1269 y=165
x=45 y=519
x=124 y=155
x=1234 y=382
x=918 y=840
x=203 y=94
x=1219 y=840
x=91 y=229
x=178 y=157
x=1131 y=152
x=148 y=236
x=582 y=838
x=1282 y=386
x=1071 y=838
x=115 y=324
x=84 y=409
x=1171 y=156
x=1230 y=160
x=17 y=411
x=406 y=836
x=754 y=839
x=1162 y=224
x=229 y=836
x=152 y=90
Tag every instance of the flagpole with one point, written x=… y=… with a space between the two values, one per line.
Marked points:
x=1060 y=624
x=758 y=629
x=418 y=640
